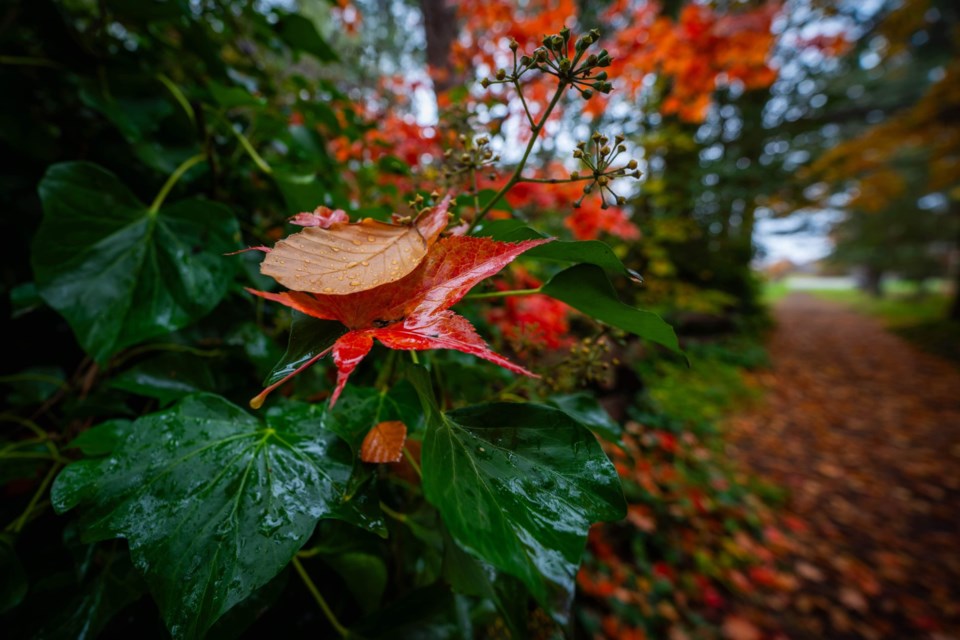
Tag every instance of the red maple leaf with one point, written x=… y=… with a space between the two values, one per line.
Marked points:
x=411 y=313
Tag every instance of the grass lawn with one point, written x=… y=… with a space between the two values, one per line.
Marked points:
x=917 y=318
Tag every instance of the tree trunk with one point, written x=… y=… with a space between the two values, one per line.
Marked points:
x=873 y=282
x=955 y=305
x=954 y=313
x=440 y=26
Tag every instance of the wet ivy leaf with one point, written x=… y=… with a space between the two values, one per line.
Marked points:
x=13 y=587
x=97 y=601
x=519 y=486
x=167 y=377
x=584 y=408
x=24 y=299
x=34 y=385
x=423 y=614
x=585 y=287
x=300 y=33
x=120 y=274
x=356 y=557
x=136 y=118
x=238 y=619
x=581 y=251
x=309 y=337
x=360 y=408
x=104 y=439
x=300 y=191
x=229 y=97
x=470 y=576
x=212 y=502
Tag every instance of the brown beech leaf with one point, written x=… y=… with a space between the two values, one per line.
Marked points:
x=384 y=443
x=347 y=258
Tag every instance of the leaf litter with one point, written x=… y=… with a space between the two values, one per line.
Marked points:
x=863 y=430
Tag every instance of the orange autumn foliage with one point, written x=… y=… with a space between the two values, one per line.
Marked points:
x=702 y=49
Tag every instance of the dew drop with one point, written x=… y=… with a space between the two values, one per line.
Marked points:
x=327 y=289
x=355 y=283
x=351 y=265
x=370 y=239
x=365 y=263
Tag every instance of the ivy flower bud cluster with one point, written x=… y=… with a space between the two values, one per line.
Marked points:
x=576 y=69
x=475 y=155
x=600 y=163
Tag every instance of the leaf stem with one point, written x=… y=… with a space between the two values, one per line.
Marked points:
x=312 y=588
x=396 y=515
x=413 y=463
x=28 y=455
x=34 y=377
x=164 y=346
x=515 y=178
x=26 y=61
x=47 y=479
x=502 y=294
x=257 y=401
x=384 y=376
x=178 y=96
x=172 y=180
x=256 y=157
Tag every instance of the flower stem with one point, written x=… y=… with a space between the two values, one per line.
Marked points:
x=172 y=180
x=557 y=180
x=515 y=178
x=502 y=294
x=312 y=588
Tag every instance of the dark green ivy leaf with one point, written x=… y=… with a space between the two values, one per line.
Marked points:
x=98 y=599
x=360 y=408
x=585 y=287
x=309 y=337
x=427 y=613
x=581 y=251
x=300 y=34
x=584 y=408
x=119 y=273
x=167 y=377
x=104 y=439
x=519 y=486
x=13 y=587
x=213 y=503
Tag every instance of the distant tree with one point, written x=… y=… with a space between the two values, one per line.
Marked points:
x=907 y=147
